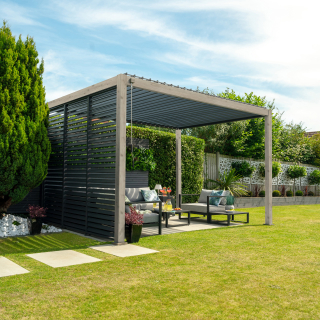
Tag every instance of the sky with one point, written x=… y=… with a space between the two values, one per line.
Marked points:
x=271 y=48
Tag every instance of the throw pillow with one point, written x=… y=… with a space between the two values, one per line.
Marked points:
x=126 y=199
x=203 y=195
x=216 y=200
x=149 y=195
x=224 y=199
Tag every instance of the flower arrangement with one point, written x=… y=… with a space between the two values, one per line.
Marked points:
x=134 y=217
x=36 y=212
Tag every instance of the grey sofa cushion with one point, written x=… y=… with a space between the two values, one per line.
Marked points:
x=150 y=217
x=203 y=195
x=146 y=206
x=134 y=194
x=201 y=207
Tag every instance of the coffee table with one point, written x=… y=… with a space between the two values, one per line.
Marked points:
x=166 y=215
x=230 y=216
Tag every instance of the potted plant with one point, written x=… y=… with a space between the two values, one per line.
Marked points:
x=36 y=213
x=229 y=181
x=133 y=228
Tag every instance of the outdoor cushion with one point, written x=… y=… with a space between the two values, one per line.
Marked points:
x=134 y=194
x=142 y=206
x=201 y=207
x=149 y=195
x=215 y=201
x=150 y=217
x=146 y=206
x=224 y=199
x=203 y=195
x=127 y=207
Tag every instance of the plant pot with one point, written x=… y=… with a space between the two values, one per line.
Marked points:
x=229 y=207
x=133 y=232
x=34 y=225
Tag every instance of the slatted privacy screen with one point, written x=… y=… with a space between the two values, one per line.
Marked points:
x=80 y=187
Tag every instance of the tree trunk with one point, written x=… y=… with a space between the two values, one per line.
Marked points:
x=5 y=203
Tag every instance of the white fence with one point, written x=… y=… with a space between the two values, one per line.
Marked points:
x=215 y=163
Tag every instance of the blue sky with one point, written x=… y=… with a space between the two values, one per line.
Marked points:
x=269 y=47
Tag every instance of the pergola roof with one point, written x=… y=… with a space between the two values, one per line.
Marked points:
x=159 y=104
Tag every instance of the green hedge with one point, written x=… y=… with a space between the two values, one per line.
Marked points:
x=163 y=145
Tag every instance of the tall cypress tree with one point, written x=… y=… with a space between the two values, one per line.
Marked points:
x=24 y=144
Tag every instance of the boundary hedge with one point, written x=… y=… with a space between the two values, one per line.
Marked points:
x=163 y=145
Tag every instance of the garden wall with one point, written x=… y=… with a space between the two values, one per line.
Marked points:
x=213 y=163
x=248 y=202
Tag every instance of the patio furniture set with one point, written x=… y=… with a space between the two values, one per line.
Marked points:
x=144 y=198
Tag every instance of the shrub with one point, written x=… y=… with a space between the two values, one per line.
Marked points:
x=243 y=168
x=248 y=194
x=314 y=177
x=276 y=193
x=310 y=193
x=299 y=193
x=36 y=211
x=143 y=160
x=289 y=193
x=163 y=145
x=276 y=169
x=262 y=193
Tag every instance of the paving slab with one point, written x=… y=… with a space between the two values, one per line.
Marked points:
x=63 y=258
x=9 y=268
x=126 y=250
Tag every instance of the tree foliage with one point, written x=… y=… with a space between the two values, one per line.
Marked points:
x=296 y=171
x=246 y=138
x=295 y=146
x=241 y=138
x=276 y=169
x=24 y=144
x=243 y=168
x=314 y=177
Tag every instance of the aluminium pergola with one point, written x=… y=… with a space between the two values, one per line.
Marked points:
x=163 y=105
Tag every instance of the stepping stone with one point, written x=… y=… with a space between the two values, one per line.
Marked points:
x=63 y=258
x=9 y=268
x=126 y=250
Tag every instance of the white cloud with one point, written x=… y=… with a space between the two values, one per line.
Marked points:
x=17 y=14
x=280 y=51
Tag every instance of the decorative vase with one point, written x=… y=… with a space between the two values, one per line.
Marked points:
x=133 y=232
x=34 y=225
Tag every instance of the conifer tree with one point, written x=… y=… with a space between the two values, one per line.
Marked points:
x=24 y=144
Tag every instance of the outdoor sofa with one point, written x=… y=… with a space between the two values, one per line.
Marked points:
x=203 y=206
x=150 y=219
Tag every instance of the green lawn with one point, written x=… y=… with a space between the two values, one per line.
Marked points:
x=248 y=272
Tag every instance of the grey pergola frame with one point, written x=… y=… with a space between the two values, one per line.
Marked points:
x=231 y=111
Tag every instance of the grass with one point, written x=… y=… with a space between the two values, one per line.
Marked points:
x=248 y=272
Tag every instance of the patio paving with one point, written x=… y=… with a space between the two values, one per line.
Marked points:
x=9 y=268
x=127 y=250
x=63 y=258
x=176 y=226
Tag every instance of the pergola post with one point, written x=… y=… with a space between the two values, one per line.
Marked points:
x=119 y=223
x=178 y=166
x=268 y=168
